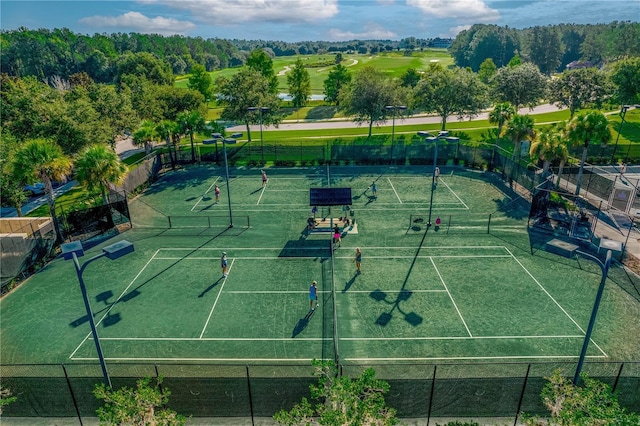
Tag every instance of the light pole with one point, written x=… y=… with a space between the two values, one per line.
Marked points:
x=260 y=111
x=605 y=270
x=434 y=139
x=217 y=137
x=623 y=112
x=394 y=108
x=73 y=250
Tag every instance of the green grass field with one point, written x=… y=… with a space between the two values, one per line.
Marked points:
x=447 y=294
x=394 y=64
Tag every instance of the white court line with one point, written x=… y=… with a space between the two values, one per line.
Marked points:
x=216 y=301
x=397 y=291
x=451 y=297
x=288 y=190
x=460 y=338
x=460 y=358
x=261 y=193
x=274 y=292
x=202 y=359
x=394 y=190
x=454 y=194
x=554 y=300
x=342 y=257
x=205 y=193
x=214 y=339
x=119 y=297
x=368 y=248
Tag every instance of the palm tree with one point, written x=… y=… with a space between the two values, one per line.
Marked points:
x=165 y=129
x=42 y=160
x=98 y=166
x=585 y=128
x=561 y=150
x=500 y=114
x=519 y=128
x=545 y=147
x=191 y=122
x=145 y=135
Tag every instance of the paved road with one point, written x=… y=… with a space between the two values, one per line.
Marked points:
x=35 y=202
x=421 y=119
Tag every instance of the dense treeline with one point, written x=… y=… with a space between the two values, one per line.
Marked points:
x=550 y=48
x=46 y=53
x=281 y=48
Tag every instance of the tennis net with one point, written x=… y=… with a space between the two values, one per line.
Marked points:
x=335 y=311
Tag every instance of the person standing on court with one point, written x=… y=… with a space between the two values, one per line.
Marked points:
x=436 y=174
x=217 y=192
x=223 y=264
x=374 y=189
x=336 y=235
x=358 y=258
x=623 y=169
x=313 y=296
x=264 y=178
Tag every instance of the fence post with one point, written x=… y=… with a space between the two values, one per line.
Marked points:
x=73 y=397
x=433 y=386
x=524 y=386
x=615 y=383
x=250 y=396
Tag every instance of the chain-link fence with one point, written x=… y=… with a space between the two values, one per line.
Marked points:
x=84 y=224
x=418 y=391
x=24 y=242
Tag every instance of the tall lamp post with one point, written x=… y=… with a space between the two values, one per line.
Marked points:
x=394 y=108
x=217 y=137
x=260 y=111
x=623 y=112
x=73 y=250
x=433 y=139
x=605 y=270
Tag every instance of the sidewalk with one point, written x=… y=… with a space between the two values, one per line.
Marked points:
x=35 y=202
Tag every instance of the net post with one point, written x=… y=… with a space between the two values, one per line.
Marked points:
x=489 y=223
x=208 y=222
x=169 y=218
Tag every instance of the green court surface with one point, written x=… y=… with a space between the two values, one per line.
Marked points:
x=469 y=290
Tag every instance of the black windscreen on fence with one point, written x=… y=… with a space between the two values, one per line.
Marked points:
x=416 y=390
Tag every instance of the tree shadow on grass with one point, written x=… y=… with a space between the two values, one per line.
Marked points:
x=321 y=113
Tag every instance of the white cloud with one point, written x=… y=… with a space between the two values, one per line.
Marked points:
x=462 y=10
x=223 y=12
x=135 y=21
x=454 y=31
x=371 y=32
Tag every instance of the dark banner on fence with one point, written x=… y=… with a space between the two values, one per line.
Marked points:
x=420 y=391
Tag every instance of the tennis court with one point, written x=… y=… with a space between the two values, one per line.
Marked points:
x=429 y=311
x=423 y=295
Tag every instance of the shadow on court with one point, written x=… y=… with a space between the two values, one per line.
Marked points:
x=109 y=319
x=302 y=324
x=349 y=283
x=208 y=289
x=380 y=296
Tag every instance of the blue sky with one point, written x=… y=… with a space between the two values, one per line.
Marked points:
x=300 y=20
